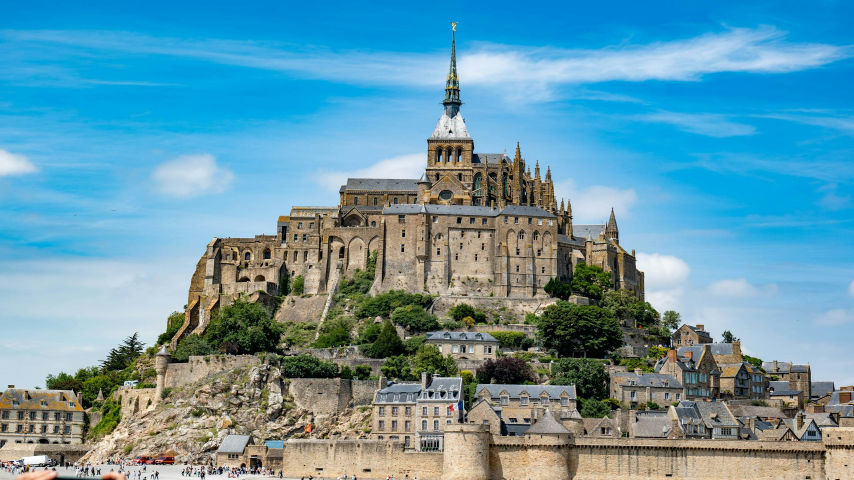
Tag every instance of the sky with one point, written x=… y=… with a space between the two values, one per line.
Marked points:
x=131 y=134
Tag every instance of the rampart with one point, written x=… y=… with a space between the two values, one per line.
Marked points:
x=331 y=396
x=197 y=368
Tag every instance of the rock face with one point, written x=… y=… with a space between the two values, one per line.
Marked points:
x=193 y=420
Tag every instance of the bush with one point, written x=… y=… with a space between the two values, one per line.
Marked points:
x=361 y=281
x=588 y=376
x=173 y=324
x=414 y=318
x=335 y=333
x=510 y=370
x=383 y=305
x=451 y=324
x=557 y=289
x=460 y=311
x=398 y=368
x=652 y=406
x=412 y=344
x=244 y=328
x=191 y=345
x=632 y=364
x=361 y=372
x=579 y=330
x=298 y=285
x=429 y=359
x=590 y=281
x=111 y=415
x=513 y=340
x=307 y=366
x=592 y=408
x=368 y=333
x=387 y=344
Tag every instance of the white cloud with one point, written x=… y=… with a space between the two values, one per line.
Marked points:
x=504 y=67
x=403 y=166
x=708 y=124
x=851 y=288
x=15 y=164
x=593 y=204
x=831 y=200
x=741 y=288
x=835 y=317
x=665 y=278
x=191 y=175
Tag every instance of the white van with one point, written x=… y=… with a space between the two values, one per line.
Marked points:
x=37 y=461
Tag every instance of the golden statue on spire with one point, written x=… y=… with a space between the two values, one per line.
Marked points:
x=453 y=26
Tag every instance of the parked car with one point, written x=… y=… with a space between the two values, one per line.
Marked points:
x=164 y=461
x=141 y=460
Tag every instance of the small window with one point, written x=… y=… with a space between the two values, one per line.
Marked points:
x=515 y=219
x=299 y=225
x=402 y=248
x=375 y=201
x=435 y=219
x=483 y=221
x=395 y=200
x=355 y=200
x=517 y=268
x=401 y=219
x=530 y=220
x=459 y=220
x=247 y=256
x=403 y=233
x=374 y=224
x=438 y=251
x=471 y=221
x=311 y=225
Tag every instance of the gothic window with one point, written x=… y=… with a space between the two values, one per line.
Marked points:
x=247 y=256
x=459 y=155
x=536 y=235
x=438 y=156
x=478 y=184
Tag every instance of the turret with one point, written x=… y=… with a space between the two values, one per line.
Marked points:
x=161 y=364
x=611 y=230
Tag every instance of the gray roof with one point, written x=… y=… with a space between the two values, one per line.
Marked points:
x=472 y=210
x=462 y=336
x=588 y=231
x=547 y=425
x=382 y=185
x=656 y=425
x=399 y=393
x=443 y=388
x=785 y=367
x=654 y=380
x=234 y=444
x=834 y=399
x=697 y=350
x=525 y=210
x=699 y=331
x=756 y=411
x=843 y=410
x=489 y=158
x=820 y=389
x=514 y=391
x=781 y=388
x=822 y=419
x=713 y=414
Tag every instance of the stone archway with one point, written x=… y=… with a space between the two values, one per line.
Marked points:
x=357 y=254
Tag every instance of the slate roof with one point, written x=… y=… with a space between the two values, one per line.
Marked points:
x=773 y=434
x=834 y=399
x=699 y=331
x=697 y=350
x=527 y=211
x=821 y=419
x=462 y=336
x=842 y=410
x=489 y=158
x=408 y=185
x=820 y=389
x=713 y=414
x=399 y=393
x=443 y=388
x=799 y=432
x=25 y=399
x=547 y=425
x=654 y=380
x=756 y=411
x=472 y=210
x=785 y=367
x=234 y=444
x=588 y=231
x=652 y=425
x=781 y=388
x=514 y=391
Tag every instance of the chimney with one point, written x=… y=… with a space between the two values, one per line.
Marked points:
x=689 y=354
x=671 y=356
x=775 y=368
x=736 y=348
x=799 y=418
x=638 y=372
x=425 y=380
x=845 y=397
x=700 y=326
x=751 y=424
x=80 y=398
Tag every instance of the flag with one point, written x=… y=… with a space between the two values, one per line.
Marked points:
x=451 y=407
x=308 y=428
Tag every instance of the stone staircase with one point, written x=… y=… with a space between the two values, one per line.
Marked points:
x=333 y=287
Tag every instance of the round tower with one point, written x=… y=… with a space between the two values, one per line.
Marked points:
x=466 y=455
x=161 y=363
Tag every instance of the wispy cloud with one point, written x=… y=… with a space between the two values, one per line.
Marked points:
x=835 y=317
x=15 y=164
x=741 y=288
x=829 y=168
x=504 y=67
x=843 y=124
x=594 y=203
x=851 y=289
x=191 y=175
x=708 y=124
x=831 y=199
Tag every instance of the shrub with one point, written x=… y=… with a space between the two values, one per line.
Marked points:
x=652 y=406
x=398 y=367
x=298 y=285
x=191 y=345
x=510 y=370
x=383 y=305
x=415 y=318
x=460 y=311
x=173 y=324
x=633 y=364
x=335 y=333
x=111 y=415
x=513 y=340
x=361 y=372
x=307 y=366
x=557 y=289
x=368 y=333
x=244 y=328
x=592 y=408
x=387 y=344
x=429 y=359
x=579 y=330
x=451 y=324
x=412 y=344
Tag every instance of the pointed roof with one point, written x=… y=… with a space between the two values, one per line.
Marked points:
x=547 y=425
x=452 y=84
x=611 y=230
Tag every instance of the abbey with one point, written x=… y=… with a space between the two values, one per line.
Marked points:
x=474 y=224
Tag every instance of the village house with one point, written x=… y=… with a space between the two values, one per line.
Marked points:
x=798 y=376
x=465 y=345
x=711 y=420
x=698 y=373
x=523 y=404
x=742 y=381
x=688 y=335
x=41 y=416
x=780 y=393
x=638 y=388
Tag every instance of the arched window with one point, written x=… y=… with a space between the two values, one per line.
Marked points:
x=341 y=252
x=247 y=256
x=438 y=155
x=521 y=235
x=459 y=155
x=449 y=155
x=374 y=224
x=266 y=254
x=243 y=279
x=536 y=235
x=259 y=278
x=395 y=200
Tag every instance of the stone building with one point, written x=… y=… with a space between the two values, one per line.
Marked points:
x=465 y=345
x=40 y=416
x=523 y=404
x=711 y=420
x=638 y=388
x=690 y=335
x=742 y=381
x=798 y=376
x=699 y=375
x=476 y=224
x=417 y=413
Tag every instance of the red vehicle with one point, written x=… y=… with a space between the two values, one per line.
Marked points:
x=141 y=460
x=164 y=461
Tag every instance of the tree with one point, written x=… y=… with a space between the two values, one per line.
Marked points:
x=557 y=289
x=461 y=311
x=369 y=333
x=384 y=304
x=652 y=406
x=511 y=370
x=588 y=376
x=298 y=285
x=429 y=359
x=361 y=372
x=63 y=381
x=191 y=345
x=728 y=337
x=656 y=352
x=625 y=305
x=671 y=319
x=414 y=318
x=398 y=367
x=387 y=344
x=579 y=330
x=335 y=333
x=122 y=356
x=592 y=408
x=633 y=364
x=244 y=328
x=590 y=281
x=173 y=324
x=307 y=366
x=513 y=340
x=412 y=344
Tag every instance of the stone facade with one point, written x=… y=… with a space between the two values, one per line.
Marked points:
x=798 y=376
x=699 y=375
x=465 y=345
x=40 y=417
x=474 y=224
x=690 y=335
x=638 y=388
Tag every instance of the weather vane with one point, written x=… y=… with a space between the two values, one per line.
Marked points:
x=454 y=26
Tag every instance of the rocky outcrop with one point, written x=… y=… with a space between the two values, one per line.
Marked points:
x=192 y=420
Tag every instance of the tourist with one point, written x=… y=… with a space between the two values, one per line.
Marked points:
x=52 y=474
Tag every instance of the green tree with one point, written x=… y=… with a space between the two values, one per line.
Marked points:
x=191 y=345
x=656 y=352
x=590 y=281
x=362 y=372
x=429 y=359
x=625 y=305
x=335 y=333
x=244 y=328
x=633 y=364
x=557 y=289
x=368 y=333
x=588 y=376
x=461 y=311
x=513 y=340
x=307 y=366
x=511 y=370
x=579 y=330
x=382 y=305
x=728 y=337
x=63 y=381
x=412 y=344
x=414 y=318
x=592 y=408
x=122 y=356
x=398 y=367
x=652 y=406
x=387 y=344
x=671 y=319
x=298 y=285
x=173 y=324
x=756 y=362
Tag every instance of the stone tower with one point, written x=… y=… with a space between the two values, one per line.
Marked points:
x=161 y=364
x=466 y=455
x=611 y=230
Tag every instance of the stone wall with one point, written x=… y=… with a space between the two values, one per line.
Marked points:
x=513 y=309
x=60 y=453
x=197 y=368
x=330 y=396
x=135 y=400
x=299 y=309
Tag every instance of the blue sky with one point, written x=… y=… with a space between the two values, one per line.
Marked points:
x=720 y=132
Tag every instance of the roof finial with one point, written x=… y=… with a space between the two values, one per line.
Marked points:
x=518 y=152
x=452 y=85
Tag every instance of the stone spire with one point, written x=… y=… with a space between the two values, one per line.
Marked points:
x=518 y=153
x=611 y=230
x=562 y=206
x=549 y=174
x=569 y=208
x=452 y=85
x=537 y=170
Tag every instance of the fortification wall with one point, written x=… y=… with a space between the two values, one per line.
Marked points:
x=197 y=368
x=632 y=459
x=135 y=400
x=363 y=458
x=330 y=396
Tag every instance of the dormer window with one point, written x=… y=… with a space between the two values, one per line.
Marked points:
x=523 y=400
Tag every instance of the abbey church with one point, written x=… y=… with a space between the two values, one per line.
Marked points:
x=474 y=224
